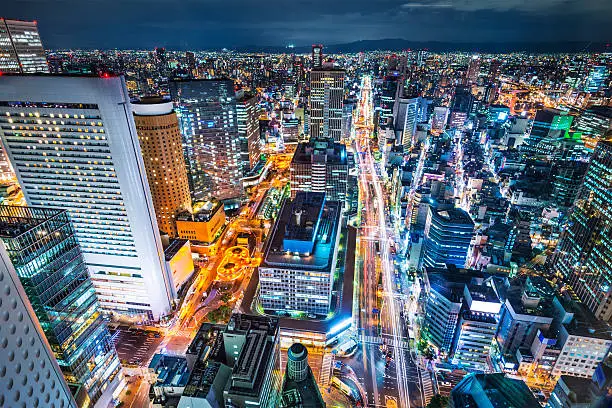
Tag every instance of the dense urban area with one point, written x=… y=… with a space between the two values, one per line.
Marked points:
x=389 y=229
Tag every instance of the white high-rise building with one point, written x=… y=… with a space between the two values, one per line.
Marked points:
x=21 y=50
x=73 y=145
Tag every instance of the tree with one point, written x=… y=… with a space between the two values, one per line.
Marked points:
x=438 y=401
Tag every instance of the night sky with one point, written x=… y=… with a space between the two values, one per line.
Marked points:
x=208 y=24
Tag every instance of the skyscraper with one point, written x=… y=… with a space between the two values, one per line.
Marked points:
x=160 y=143
x=473 y=70
x=585 y=248
x=21 y=50
x=448 y=234
x=491 y=390
x=317 y=55
x=42 y=248
x=248 y=131
x=320 y=165
x=548 y=125
x=326 y=102
x=73 y=145
x=208 y=118
x=23 y=344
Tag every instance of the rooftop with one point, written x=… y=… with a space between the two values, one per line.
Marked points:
x=320 y=150
x=173 y=248
x=305 y=234
x=16 y=220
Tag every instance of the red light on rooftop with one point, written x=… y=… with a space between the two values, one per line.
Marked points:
x=105 y=75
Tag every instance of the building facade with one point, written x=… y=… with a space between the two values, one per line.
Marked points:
x=73 y=144
x=42 y=247
x=326 y=102
x=209 y=123
x=21 y=49
x=448 y=234
x=320 y=165
x=300 y=255
x=248 y=131
x=585 y=248
x=24 y=347
x=161 y=147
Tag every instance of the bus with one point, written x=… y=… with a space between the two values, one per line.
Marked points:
x=347 y=348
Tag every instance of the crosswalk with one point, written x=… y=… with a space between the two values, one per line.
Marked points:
x=388 y=340
x=325 y=375
x=427 y=385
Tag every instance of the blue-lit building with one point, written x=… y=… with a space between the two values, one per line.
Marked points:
x=448 y=233
x=584 y=251
x=299 y=261
x=596 y=79
x=209 y=120
x=42 y=247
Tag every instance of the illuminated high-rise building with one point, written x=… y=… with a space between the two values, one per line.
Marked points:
x=209 y=124
x=21 y=50
x=549 y=124
x=326 y=102
x=448 y=233
x=317 y=55
x=320 y=165
x=595 y=121
x=26 y=347
x=596 y=79
x=473 y=70
x=162 y=151
x=248 y=131
x=42 y=247
x=584 y=251
x=73 y=144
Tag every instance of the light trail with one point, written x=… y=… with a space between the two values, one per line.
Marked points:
x=370 y=179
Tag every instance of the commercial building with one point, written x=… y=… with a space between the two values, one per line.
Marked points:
x=168 y=376
x=439 y=119
x=408 y=112
x=299 y=257
x=203 y=224
x=448 y=234
x=473 y=71
x=548 y=125
x=583 y=253
x=317 y=55
x=578 y=392
x=248 y=131
x=596 y=121
x=300 y=389
x=73 y=144
x=567 y=180
x=584 y=341
x=491 y=390
x=320 y=165
x=461 y=106
x=236 y=366
x=326 y=102
x=477 y=327
x=45 y=255
x=527 y=309
x=209 y=123
x=444 y=300
x=21 y=49
x=161 y=147
x=28 y=348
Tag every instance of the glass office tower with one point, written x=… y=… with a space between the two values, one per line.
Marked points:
x=42 y=247
x=584 y=251
x=209 y=123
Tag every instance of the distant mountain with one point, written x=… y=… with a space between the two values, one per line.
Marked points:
x=398 y=44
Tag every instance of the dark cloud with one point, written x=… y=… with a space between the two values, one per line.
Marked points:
x=201 y=24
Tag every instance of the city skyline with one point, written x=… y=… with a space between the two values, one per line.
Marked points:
x=305 y=229
x=207 y=25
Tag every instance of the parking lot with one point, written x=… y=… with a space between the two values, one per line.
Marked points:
x=135 y=346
